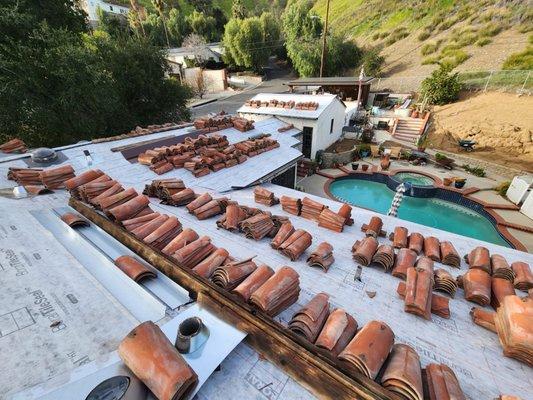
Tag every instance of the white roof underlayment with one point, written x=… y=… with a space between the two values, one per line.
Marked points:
x=474 y=353
x=323 y=100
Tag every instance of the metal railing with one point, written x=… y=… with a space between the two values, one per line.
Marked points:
x=516 y=81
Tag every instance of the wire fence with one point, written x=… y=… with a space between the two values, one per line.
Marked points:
x=516 y=81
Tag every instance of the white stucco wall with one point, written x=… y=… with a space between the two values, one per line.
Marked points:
x=90 y=7
x=322 y=137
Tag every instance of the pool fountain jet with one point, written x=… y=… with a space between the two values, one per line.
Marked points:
x=398 y=197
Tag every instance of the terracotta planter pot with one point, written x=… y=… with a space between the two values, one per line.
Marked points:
x=385 y=162
x=447 y=181
x=415 y=114
x=364 y=167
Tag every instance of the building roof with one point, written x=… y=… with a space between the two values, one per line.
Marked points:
x=323 y=100
x=213 y=48
x=333 y=81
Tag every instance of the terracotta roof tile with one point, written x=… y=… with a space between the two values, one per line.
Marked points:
x=309 y=320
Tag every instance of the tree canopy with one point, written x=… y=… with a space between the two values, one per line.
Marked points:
x=441 y=87
x=61 y=83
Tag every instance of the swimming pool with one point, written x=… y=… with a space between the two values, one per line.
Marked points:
x=414 y=178
x=432 y=212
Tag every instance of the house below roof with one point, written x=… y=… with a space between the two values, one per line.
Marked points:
x=209 y=51
x=109 y=6
x=319 y=117
x=346 y=87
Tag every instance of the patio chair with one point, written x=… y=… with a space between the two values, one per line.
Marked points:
x=374 y=150
x=395 y=152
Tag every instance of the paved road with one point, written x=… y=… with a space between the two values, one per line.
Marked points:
x=276 y=76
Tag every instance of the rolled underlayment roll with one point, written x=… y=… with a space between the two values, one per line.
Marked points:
x=156 y=362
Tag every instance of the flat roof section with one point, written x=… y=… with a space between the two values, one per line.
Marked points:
x=331 y=81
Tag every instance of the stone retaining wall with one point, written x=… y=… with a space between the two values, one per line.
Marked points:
x=328 y=159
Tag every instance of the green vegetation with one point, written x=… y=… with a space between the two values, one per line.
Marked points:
x=442 y=87
x=373 y=62
x=502 y=188
x=62 y=83
x=248 y=42
x=429 y=48
x=303 y=30
x=483 y=41
x=477 y=171
x=521 y=61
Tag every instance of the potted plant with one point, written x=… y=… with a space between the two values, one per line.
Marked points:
x=421 y=143
x=459 y=182
x=355 y=166
x=364 y=167
x=364 y=150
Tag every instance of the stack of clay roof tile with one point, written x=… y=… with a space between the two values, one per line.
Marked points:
x=338 y=331
x=186 y=237
x=232 y=217
x=210 y=209
x=500 y=288
x=311 y=209
x=479 y=258
x=207 y=267
x=138 y=131
x=432 y=248
x=161 y=167
x=13 y=146
x=309 y=320
x=330 y=220
x=399 y=237
x=403 y=373
x=450 y=256
x=257 y=227
x=515 y=328
x=278 y=293
x=445 y=282
x=442 y=383
x=367 y=351
x=92 y=189
x=384 y=256
x=285 y=128
x=419 y=284
x=477 y=286
x=483 y=318
x=523 y=276
x=55 y=178
x=265 y=197
x=25 y=176
x=363 y=250
x=164 y=234
x=212 y=124
x=164 y=189
x=405 y=259
x=257 y=145
x=181 y=198
x=291 y=205
x=148 y=353
x=440 y=305
x=501 y=268
x=322 y=256
x=86 y=177
x=271 y=103
x=243 y=124
x=285 y=230
x=374 y=227
x=229 y=276
x=306 y=105
x=295 y=245
x=253 y=282
x=346 y=212
x=416 y=242
x=191 y=254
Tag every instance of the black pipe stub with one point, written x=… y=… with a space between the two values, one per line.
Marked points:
x=192 y=334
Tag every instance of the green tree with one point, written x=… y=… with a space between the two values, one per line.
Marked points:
x=441 y=87
x=238 y=10
x=159 y=5
x=372 y=62
x=60 y=83
x=248 y=42
x=203 y=25
x=303 y=31
x=112 y=24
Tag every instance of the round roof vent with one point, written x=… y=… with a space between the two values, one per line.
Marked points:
x=43 y=155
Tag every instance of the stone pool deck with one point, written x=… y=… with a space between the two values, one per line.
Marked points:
x=514 y=225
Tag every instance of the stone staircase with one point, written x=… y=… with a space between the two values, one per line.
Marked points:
x=408 y=129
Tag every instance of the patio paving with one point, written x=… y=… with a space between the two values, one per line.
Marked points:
x=491 y=197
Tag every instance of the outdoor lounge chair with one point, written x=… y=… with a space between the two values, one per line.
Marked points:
x=395 y=152
x=375 y=151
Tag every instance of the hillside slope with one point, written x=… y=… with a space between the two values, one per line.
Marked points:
x=469 y=35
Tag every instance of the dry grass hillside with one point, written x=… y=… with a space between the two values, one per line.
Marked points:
x=501 y=124
x=414 y=34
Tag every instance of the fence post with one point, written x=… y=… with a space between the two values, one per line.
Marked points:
x=379 y=81
x=525 y=81
x=488 y=80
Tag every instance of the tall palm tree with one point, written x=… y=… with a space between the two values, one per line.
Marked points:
x=135 y=17
x=160 y=7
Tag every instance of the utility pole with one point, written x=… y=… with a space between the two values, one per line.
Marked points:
x=323 y=58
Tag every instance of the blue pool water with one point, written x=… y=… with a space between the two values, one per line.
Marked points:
x=414 y=178
x=430 y=212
